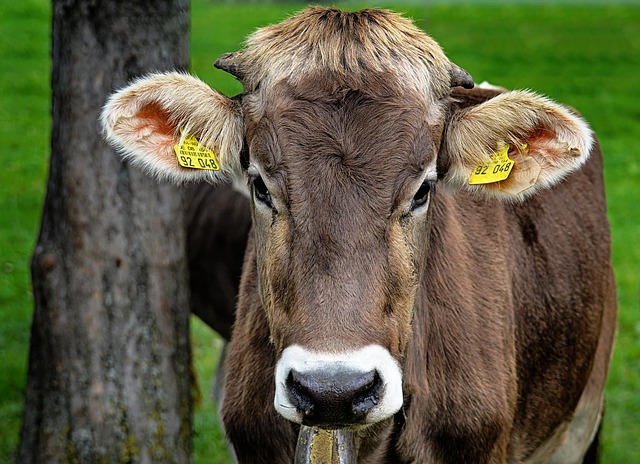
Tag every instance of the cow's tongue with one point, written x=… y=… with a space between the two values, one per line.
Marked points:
x=320 y=446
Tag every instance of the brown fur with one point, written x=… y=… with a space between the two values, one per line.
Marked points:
x=506 y=319
x=218 y=223
x=494 y=309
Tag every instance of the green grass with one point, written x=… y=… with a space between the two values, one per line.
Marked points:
x=24 y=129
x=585 y=56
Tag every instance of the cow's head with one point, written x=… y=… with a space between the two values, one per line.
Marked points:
x=346 y=126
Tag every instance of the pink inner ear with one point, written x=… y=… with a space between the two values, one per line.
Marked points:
x=156 y=134
x=153 y=118
x=525 y=173
x=544 y=145
x=543 y=158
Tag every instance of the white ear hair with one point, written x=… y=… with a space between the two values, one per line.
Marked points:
x=546 y=142
x=148 y=118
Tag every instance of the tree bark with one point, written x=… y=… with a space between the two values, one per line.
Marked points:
x=109 y=376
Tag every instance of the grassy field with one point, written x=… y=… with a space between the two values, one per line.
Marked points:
x=585 y=56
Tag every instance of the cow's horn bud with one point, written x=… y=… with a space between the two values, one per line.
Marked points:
x=460 y=77
x=228 y=62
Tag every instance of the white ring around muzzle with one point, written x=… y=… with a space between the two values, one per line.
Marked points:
x=367 y=359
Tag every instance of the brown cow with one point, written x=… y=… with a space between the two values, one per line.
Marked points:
x=218 y=223
x=428 y=266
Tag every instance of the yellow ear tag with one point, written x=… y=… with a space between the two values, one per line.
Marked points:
x=498 y=168
x=192 y=154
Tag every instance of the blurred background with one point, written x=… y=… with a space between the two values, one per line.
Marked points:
x=582 y=53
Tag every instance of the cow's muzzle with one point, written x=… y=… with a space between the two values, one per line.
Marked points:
x=337 y=390
x=334 y=399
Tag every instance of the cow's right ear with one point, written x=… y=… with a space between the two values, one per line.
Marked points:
x=176 y=127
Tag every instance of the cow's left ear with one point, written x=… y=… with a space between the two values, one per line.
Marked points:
x=513 y=145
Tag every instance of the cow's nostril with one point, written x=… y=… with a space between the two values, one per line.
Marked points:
x=369 y=396
x=334 y=398
x=298 y=394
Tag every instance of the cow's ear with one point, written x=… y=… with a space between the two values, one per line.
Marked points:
x=176 y=127
x=513 y=145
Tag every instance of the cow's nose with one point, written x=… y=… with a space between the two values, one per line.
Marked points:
x=334 y=399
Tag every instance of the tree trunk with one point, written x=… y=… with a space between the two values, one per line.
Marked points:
x=109 y=375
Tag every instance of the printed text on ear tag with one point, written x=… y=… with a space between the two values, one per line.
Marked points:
x=496 y=170
x=192 y=154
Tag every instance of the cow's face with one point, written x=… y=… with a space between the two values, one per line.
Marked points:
x=340 y=189
x=347 y=125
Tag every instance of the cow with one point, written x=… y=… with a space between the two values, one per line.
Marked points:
x=218 y=222
x=428 y=265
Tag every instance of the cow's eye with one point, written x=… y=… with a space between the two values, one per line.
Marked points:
x=421 y=197
x=261 y=192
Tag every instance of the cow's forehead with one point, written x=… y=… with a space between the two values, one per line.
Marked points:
x=377 y=141
x=352 y=45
